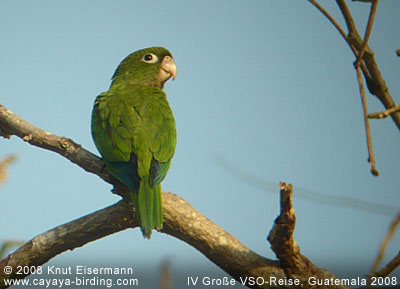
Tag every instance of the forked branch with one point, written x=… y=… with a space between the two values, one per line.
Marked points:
x=366 y=63
x=180 y=220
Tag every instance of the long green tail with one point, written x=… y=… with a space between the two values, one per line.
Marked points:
x=148 y=207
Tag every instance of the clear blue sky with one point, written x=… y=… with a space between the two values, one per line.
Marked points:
x=265 y=86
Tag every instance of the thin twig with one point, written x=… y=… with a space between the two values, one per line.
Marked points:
x=371 y=157
x=357 y=65
x=330 y=18
x=371 y=18
x=390 y=267
x=375 y=82
x=351 y=26
x=385 y=113
x=382 y=248
x=342 y=32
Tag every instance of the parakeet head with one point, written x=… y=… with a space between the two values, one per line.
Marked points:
x=147 y=67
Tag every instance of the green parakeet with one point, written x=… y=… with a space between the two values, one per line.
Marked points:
x=134 y=130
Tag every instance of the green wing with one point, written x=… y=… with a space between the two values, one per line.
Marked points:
x=135 y=122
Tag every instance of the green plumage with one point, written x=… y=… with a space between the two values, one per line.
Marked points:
x=134 y=130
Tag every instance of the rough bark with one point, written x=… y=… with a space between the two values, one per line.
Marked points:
x=180 y=221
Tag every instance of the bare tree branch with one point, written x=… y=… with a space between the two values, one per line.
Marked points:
x=384 y=113
x=389 y=268
x=357 y=65
x=365 y=61
x=367 y=32
x=382 y=248
x=351 y=26
x=330 y=18
x=180 y=220
x=283 y=244
x=12 y=124
x=375 y=82
x=341 y=31
x=281 y=235
x=371 y=158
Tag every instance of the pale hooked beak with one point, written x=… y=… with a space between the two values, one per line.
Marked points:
x=168 y=68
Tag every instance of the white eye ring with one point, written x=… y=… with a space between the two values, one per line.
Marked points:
x=150 y=58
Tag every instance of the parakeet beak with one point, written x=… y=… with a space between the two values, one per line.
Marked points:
x=168 y=68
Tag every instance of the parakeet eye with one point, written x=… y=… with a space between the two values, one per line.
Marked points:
x=150 y=58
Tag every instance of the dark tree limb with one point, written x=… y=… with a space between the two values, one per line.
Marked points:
x=375 y=82
x=295 y=265
x=69 y=236
x=281 y=234
x=366 y=63
x=180 y=219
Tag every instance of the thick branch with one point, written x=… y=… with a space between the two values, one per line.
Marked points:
x=295 y=265
x=180 y=219
x=69 y=236
x=12 y=124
